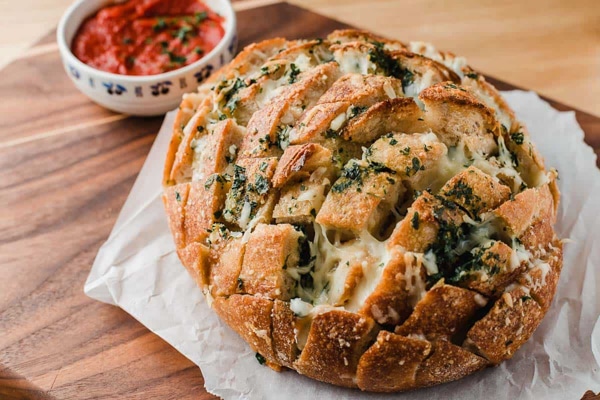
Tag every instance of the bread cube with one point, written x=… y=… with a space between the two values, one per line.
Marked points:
x=250 y=196
x=270 y=250
x=360 y=199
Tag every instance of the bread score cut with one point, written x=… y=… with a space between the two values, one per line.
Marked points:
x=367 y=212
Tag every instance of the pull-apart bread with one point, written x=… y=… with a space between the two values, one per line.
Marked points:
x=364 y=211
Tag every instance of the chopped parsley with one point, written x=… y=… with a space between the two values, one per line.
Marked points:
x=200 y=16
x=463 y=191
x=453 y=86
x=177 y=196
x=130 y=61
x=415 y=167
x=175 y=59
x=352 y=173
x=159 y=25
x=379 y=167
x=261 y=185
x=294 y=71
x=283 y=136
x=239 y=178
x=212 y=179
x=230 y=101
x=415 y=221
x=182 y=33
x=517 y=137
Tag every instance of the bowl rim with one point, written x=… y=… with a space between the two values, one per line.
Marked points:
x=65 y=48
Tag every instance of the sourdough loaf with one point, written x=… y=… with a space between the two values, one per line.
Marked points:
x=367 y=212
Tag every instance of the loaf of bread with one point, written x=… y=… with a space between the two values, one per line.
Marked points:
x=367 y=212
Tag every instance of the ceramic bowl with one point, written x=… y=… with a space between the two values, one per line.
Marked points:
x=141 y=95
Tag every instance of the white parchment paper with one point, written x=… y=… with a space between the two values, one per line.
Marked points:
x=138 y=270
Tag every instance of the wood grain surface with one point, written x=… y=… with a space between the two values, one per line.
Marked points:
x=66 y=167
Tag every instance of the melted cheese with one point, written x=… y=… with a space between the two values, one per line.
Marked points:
x=337 y=122
x=353 y=61
x=373 y=265
x=430 y=263
x=245 y=215
x=306 y=314
x=428 y=50
x=198 y=145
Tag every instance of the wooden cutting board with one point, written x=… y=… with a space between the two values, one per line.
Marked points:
x=66 y=167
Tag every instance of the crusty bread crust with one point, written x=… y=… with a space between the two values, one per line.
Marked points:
x=367 y=212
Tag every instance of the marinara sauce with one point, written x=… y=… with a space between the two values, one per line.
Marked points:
x=148 y=37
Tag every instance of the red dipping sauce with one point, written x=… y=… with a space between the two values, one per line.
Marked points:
x=148 y=37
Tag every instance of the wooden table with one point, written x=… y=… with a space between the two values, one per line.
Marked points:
x=66 y=167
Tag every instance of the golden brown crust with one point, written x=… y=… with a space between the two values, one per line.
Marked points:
x=270 y=250
x=542 y=279
x=447 y=362
x=194 y=257
x=250 y=317
x=453 y=112
x=201 y=209
x=175 y=199
x=389 y=303
x=475 y=191
x=422 y=65
x=442 y=313
x=361 y=205
x=284 y=337
x=508 y=325
x=193 y=129
x=419 y=236
x=352 y=35
x=268 y=125
x=352 y=90
x=226 y=257
x=299 y=161
x=336 y=341
x=527 y=208
x=220 y=147
x=394 y=115
x=356 y=208
x=398 y=356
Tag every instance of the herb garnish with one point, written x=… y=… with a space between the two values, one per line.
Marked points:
x=389 y=65
x=415 y=221
x=294 y=71
x=159 y=25
x=415 y=167
x=261 y=185
x=517 y=137
x=175 y=58
x=200 y=16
